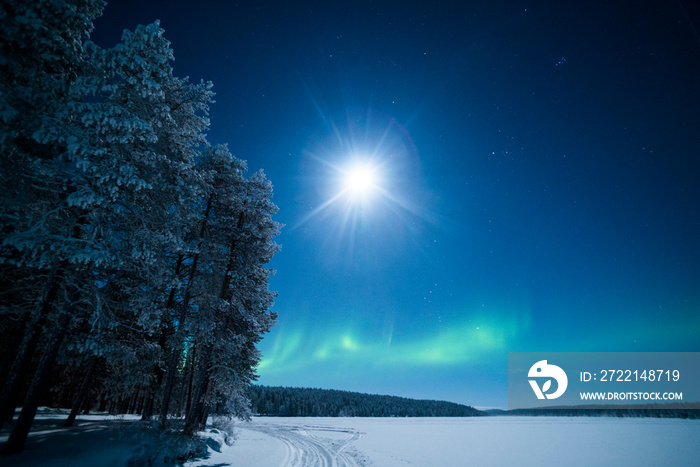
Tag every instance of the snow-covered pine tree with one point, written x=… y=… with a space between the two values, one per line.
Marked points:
x=113 y=208
x=147 y=125
x=114 y=241
x=233 y=310
x=40 y=58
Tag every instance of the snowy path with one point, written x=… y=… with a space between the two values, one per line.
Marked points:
x=296 y=442
x=314 y=445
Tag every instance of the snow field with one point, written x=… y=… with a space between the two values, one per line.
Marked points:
x=442 y=442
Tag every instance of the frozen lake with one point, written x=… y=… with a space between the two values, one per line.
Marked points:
x=494 y=441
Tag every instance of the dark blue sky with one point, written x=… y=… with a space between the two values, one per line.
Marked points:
x=539 y=162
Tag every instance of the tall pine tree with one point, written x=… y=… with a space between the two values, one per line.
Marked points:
x=129 y=245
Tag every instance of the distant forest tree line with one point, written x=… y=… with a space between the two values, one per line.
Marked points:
x=692 y=411
x=307 y=402
x=132 y=251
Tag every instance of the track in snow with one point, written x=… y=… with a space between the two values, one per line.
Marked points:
x=316 y=445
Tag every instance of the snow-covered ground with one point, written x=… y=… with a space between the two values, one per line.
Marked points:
x=493 y=441
x=382 y=442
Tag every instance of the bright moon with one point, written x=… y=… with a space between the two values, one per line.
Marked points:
x=360 y=180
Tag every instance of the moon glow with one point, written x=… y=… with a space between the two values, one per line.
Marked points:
x=360 y=180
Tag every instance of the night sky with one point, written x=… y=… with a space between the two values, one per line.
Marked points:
x=536 y=178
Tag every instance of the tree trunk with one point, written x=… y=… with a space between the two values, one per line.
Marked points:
x=133 y=404
x=177 y=346
x=183 y=405
x=13 y=340
x=177 y=349
x=80 y=400
x=204 y=415
x=148 y=405
x=102 y=406
x=11 y=388
x=197 y=407
x=188 y=400
x=18 y=437
x=168 y=388
x=23 y=357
